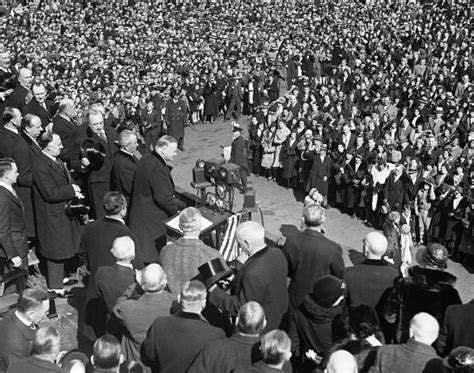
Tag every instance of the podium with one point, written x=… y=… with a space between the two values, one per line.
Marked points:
x=215 y=227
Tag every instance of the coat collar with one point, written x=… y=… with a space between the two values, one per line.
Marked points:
x=245 y=339
x=55 y=167
x=190 y=316
x=30 y=142
x=162 y=161
x=189 y=241
x=127 y=155
x=10 y=195
x=375 y=262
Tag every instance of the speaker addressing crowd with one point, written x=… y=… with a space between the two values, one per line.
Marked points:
x=365 y=106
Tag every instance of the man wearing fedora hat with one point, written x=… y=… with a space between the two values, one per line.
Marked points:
x=427 y=288
x=436 y=124
x=262 y=277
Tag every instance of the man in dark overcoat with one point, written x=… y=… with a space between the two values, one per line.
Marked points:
x=25 y=151
x=456 y=329
x=22 y=92
x=262 y=278
x=238 y=154
x=40 y=107
x=152 y=125
x=172 y=342
x=94 y=251
x=125 y=164
x=10 y=131
x=64 y=126
x=58 y=234
x=310 y=256
x=153 y=199
x=97 y=176
x=176 y=115
x=13 y=240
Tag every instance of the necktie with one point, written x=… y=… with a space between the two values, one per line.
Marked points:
x=102 y=136
x=14 y=193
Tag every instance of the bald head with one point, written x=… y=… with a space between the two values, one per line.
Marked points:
x=251 y=236
x=424 y=328
x=153 y=278
x=123 y=249
x=25 y=77
x=341 y=361
x=375 y=245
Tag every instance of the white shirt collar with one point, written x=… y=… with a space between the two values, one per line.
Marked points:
x=50 y=157
x=7 y=187
x=14 y=130
x=125 y=265
x=22 y=319
x=118 y=219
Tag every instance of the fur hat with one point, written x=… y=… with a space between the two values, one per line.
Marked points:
x=327 y=290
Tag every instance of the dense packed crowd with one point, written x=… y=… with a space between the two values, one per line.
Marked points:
x=365 y=107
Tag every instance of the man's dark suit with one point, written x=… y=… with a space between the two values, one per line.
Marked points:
x=412 y=356
x=17 y=339
x=98 y=180
x=457 y=328
x=96 y=241
x=25 y=152
x=350 y=145
x=33 y=364
x=52 y=188
x=174 y=341
x=407 y=152
x=223 y=356
x=18 y=97
x=152 y=203
x=13 y=240
x=411 y=190
x=310 y=256
x=238 y=156
x=7 y=142
x=111 y=282
x=67 y=132
x=368 y=281
x=153 y=128
x=394 y=192
x=123 y=172
x=34 y=107
x=262 y=279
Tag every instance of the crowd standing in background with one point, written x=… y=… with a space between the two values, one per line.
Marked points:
x=367 y=107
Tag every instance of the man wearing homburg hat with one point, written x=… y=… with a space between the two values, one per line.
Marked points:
x=428 y=288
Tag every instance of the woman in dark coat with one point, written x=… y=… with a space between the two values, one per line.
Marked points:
x=290 y=156
x=319 y=320
x=211 y=101
x=355 y=173
x=251 y=97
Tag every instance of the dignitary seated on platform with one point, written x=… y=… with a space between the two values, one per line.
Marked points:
x=262 y=278
x=17 y=329
x=139 y=306
x=182 y=258
x=174 y=341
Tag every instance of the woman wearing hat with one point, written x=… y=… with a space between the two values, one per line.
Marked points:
x=319 y=319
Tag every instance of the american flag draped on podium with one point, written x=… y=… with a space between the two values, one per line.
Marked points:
x=229 y=249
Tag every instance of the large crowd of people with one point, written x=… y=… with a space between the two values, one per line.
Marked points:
x=366 y=107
